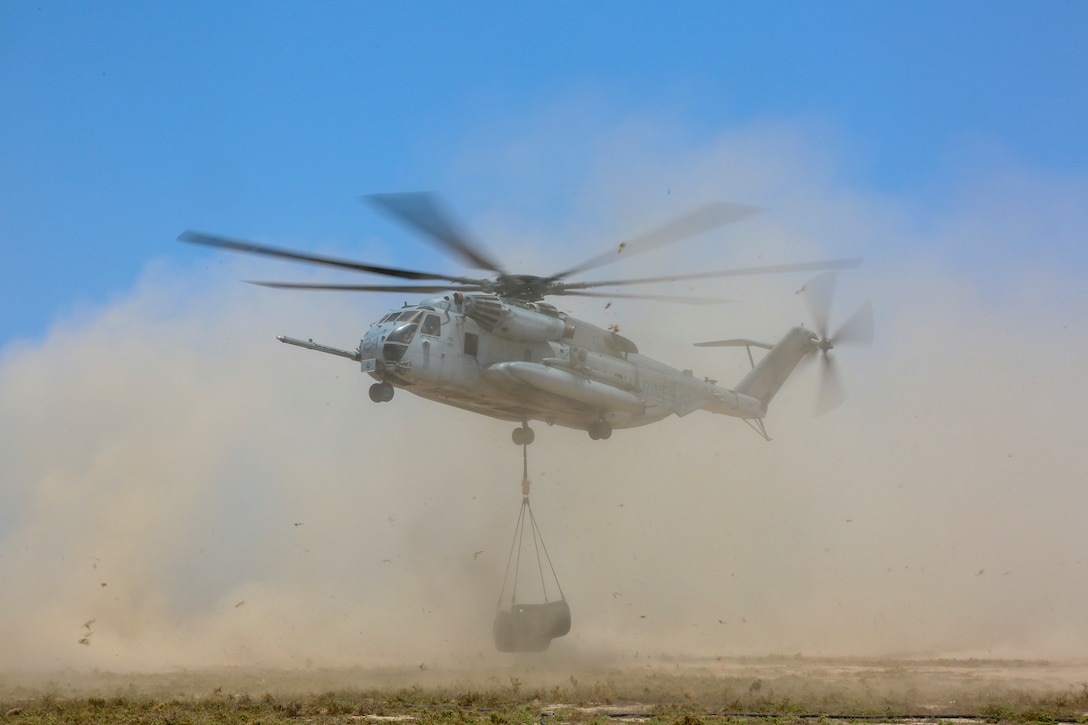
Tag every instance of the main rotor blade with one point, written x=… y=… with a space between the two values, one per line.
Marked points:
x=423 y=212
x=659 y=298
x=831 y=264
x=367 y=287
x=859 y=328
x=689 y=225
x=238 y=245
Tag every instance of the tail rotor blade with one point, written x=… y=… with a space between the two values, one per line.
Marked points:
x=832 y=392
x=819 y=292
x=859 y=328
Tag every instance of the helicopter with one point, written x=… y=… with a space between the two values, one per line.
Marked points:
x=495 y=346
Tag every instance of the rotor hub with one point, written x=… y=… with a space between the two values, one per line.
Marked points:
x=524 y=287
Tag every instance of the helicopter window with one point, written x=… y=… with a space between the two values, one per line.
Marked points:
x=403 y=333
x=409 y=316
x=432 y=325
x=389 y=318
x=471 y=342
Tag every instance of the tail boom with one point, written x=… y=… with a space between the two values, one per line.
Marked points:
x=768 y=376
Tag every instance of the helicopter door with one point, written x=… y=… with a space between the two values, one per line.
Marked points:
x=433 y=345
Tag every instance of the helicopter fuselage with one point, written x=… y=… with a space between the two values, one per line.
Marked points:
x=520 y=361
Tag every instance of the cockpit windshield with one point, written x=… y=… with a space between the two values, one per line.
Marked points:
x=402 y=316
x=396 y=342
x=402 y=333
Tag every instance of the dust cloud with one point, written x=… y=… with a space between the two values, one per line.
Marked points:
x=179 y=490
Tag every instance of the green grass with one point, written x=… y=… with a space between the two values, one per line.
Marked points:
x=767 y=690
x=425 y=709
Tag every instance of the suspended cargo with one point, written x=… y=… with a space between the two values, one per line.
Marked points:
x=529 y=627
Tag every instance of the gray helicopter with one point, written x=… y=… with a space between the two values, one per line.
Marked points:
x=493 y=346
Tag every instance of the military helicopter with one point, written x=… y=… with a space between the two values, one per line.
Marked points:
x=494 y=346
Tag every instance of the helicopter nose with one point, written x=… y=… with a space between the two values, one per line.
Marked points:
x=371 y=345
x=397 y=341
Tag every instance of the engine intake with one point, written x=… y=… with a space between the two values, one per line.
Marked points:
x=514 y=322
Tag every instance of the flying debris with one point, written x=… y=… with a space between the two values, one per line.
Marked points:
x=85 y=640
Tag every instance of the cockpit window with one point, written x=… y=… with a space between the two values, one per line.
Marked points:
x=409 y=316
x=403 y=333
x=432 y=325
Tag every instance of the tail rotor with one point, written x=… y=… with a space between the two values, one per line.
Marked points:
x=858 y=328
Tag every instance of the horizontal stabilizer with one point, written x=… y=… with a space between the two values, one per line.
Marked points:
x=738 y=342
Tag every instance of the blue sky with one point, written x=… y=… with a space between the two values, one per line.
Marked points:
x=125 y=123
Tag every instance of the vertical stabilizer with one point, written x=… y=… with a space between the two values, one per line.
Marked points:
x=767 y=377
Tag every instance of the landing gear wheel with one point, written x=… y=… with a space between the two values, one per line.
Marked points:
x=599 y=430
x=381 y=392
x=523 y=436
